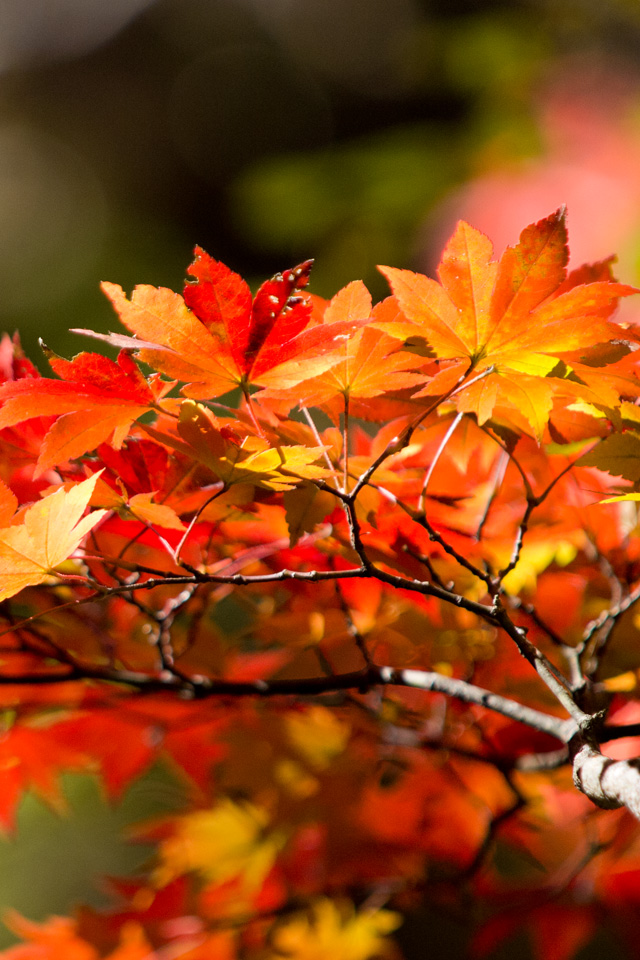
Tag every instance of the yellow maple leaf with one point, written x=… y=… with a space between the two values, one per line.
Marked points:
x=225 y=842
x=317 y=735
x=330 y=929
x=49 y=533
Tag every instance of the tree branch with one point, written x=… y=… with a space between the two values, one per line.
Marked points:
x=608 y=783
x=360 y=680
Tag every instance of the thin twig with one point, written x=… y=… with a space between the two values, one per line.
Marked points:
x=441 y=448
x=345 y=445
x=497 y=479
x=176 y=553
x=316 y=436
x=351 y=627
x=402 y=439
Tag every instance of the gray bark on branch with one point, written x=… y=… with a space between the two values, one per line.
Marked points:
x=608 y=783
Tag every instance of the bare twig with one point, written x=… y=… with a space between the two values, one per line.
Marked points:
x=441 y=448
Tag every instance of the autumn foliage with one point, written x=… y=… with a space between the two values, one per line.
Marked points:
x=365 y=576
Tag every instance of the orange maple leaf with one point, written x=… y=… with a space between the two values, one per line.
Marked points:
x=57 y=938
x=125 y=742
x=216 y=338
x=368 y=364
x=513 y=319
x=139 y=506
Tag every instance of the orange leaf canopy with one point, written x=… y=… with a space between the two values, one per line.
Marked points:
x=514 y=319
x=236 y=559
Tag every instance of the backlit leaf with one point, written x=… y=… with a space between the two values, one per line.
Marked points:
x=223 y=843
x=516 y=316
x=96 y=400
x=250 y=460
x=49 y=533
x=216 y=338
x=618 y=454
x=330 y=929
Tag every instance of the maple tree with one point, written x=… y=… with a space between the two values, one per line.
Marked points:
x=379 y=613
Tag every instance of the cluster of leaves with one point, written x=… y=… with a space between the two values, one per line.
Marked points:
x=372 y=612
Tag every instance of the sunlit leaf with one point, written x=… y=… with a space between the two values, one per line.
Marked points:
x=516 y=316
x=49 y=533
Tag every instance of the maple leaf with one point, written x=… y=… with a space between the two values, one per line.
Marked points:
x=225 y=842
x=58 y=939
x=97 y=399
x=216 y=338
x=513 y=319
x=140 y=506
x=305 y=506
x=244 y=460
x=368 y=363
x=49 y=533
x=317 y=735
x=557 y=931
x=618 y=454
x=126 y=742
x=333 y=929
x=54 y=939
x=31 y=757
x=8 y=504
x=14 y=365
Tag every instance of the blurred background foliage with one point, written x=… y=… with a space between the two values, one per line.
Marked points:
x=354 y=131
x=268 y=131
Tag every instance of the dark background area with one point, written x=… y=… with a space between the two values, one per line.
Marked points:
x=268 y=131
